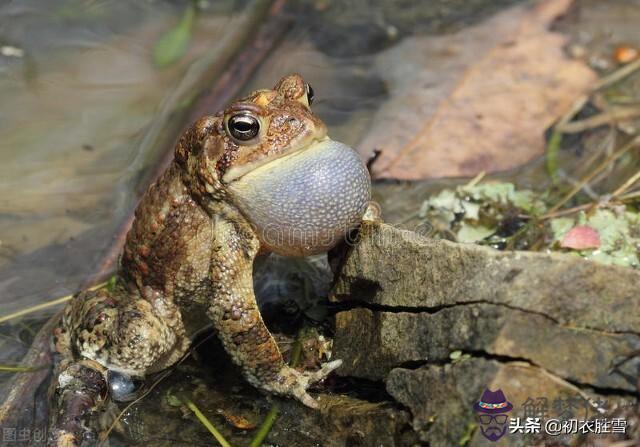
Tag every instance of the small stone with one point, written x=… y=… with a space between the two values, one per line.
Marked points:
x=623 y=54
x=581 y=237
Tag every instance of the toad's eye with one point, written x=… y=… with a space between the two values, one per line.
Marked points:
x=243 y=127
x=310 y=94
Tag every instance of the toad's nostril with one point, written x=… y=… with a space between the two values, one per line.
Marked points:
x=310 y=94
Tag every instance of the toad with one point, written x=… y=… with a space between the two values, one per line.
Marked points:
x=260 y=176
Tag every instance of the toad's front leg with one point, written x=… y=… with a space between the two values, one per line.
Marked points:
x=238 y=321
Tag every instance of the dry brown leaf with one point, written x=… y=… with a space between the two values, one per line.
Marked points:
x=477 y=100
x=623 y=54
x=238 y=421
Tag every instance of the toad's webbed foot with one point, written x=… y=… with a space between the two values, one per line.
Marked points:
x=294 y=383
x=373 y=214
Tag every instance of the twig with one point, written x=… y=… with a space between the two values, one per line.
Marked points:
x=567 y=211
x=626 y=185
x=604 y=147
x=617 y=75
x=51 y=303
x=618 y=194
x=609 y=148
x=629 y=195
x=17 y=368
x=553 y=146
x=609 y=117
x=555 y=140
x=477 y=179
x=594 y=173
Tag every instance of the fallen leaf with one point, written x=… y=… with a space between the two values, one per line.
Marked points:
x=624 y=54
x=173 y=45
x=479 y=99
x=237 y=421
x=581 y=237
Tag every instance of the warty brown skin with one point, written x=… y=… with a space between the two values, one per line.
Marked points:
x=190 y=249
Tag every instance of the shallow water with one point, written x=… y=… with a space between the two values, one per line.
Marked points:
x=86 y=116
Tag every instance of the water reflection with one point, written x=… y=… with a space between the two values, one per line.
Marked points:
x=85 y=116
x=85 y=113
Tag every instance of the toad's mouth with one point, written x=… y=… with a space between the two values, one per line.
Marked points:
x=237 y=172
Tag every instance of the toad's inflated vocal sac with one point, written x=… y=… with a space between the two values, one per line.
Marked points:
x=261 y=176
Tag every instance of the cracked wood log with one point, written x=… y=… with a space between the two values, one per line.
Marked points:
x=533 y=324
